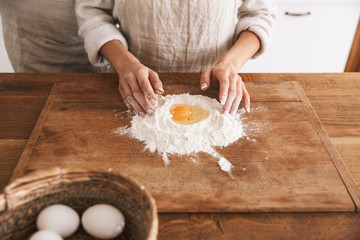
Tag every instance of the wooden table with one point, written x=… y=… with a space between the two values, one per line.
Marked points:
x=335 y=98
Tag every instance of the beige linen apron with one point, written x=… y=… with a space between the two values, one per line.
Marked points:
x=42 y=36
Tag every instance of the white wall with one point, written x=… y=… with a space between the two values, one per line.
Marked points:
x=317 y=42
x=5 y=65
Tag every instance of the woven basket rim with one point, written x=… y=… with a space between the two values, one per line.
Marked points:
x=29 y=181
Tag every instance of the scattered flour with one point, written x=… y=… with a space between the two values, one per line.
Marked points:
x=251 y=139
x=225 y=165
x=194 y=160
x=159 y=133
x=121 y=130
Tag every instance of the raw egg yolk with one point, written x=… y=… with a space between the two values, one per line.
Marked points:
x=181 y=113
x=187 y=114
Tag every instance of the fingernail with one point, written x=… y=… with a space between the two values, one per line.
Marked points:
x=222 y=100
x=233 y=113
x=159 y=91
x=226 y=112
x=153 y=103
x=247 y=109
x=142 y=114
x=150 y=112
x=203 y=85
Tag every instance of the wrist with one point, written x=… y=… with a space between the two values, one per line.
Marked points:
x=227 y=63
x=119 y=57
x=244 y=48
x=123 y=62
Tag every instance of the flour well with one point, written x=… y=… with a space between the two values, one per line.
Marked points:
x=159 y=133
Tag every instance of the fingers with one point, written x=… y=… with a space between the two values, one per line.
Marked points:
x=139 y=96
x=224 y=88
x=133 y=89
x=205 y=79
x=232 y=93
x=143 y=77
x=239 y=95
x=246 y=97
x=121 y=91
x=128 y=98
x=135 y=105
x=156 y=82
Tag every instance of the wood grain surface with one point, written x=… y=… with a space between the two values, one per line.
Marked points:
x=283 y=165
x=334 y=96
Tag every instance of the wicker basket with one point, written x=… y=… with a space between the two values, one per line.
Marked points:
x=23 y=199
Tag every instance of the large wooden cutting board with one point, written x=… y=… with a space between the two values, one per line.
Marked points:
x=286 y=162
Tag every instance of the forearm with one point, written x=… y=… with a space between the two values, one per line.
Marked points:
x=244 y=48
x=117 y=55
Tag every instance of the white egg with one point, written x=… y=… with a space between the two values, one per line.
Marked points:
x=45 y=235
x=58 y=218
x=103 y=221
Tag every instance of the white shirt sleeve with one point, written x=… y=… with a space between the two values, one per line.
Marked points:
x=257 y=16
x=97 y=26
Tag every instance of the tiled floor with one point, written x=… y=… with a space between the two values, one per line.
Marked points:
x=5 y=65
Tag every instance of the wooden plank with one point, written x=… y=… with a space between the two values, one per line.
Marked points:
x=303 y=78
x=30 y=88
x=298 y=177
x=35 y=133
x=192 y=78
x=261 y=226
x=340 y=118
x=336 y=101
x=51 y=78
x=10 y=151
x=348 y=148
x=18 y=115
x=338 y=162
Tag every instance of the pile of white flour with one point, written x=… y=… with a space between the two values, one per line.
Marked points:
x=159 y=133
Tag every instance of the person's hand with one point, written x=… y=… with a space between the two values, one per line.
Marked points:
x=137 y=86
x=232 y=88
x=137 y=83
